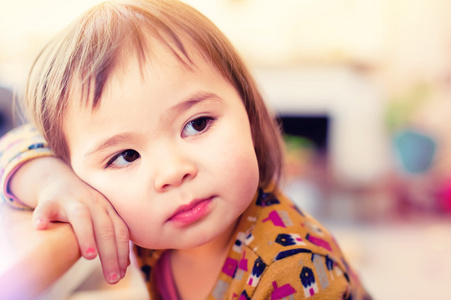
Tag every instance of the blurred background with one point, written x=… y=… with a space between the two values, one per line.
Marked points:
x=362 y=90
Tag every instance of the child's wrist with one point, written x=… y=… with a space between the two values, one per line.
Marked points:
x=34 y=174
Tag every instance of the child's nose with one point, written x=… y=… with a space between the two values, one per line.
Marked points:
x=173 y=169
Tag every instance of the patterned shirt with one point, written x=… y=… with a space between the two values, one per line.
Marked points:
x=279 y=252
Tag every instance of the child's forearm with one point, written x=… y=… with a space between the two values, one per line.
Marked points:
x=17 y=148
x=32 y=260
x=35 y=174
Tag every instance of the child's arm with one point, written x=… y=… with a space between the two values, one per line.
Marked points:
x=32 y=260
x=307 y=274
x=49 y=185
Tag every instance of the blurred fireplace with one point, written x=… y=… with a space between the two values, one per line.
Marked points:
x=315 y=128
x=307 y=170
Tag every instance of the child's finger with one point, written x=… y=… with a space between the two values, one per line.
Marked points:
x=44 y=213
x=122 y=242
x=80 y=218
x=106 y=245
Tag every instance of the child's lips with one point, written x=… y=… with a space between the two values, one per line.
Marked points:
x=190 y=213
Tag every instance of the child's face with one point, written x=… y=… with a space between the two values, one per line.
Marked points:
x=172 y=151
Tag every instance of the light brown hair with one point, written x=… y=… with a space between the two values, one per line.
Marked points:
x=81 y=59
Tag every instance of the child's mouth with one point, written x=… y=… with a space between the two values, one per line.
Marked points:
x=188 y=214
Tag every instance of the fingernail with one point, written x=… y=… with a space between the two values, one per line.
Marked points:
x=113 y=278
x=122 y=274
x=90 y=252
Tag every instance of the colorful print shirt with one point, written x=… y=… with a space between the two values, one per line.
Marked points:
x=279 y=251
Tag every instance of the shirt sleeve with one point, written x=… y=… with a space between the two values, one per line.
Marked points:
x=308 y=276
x=18 y=146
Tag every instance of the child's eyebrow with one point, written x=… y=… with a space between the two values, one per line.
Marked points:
x=195 y=99
x=111 y=142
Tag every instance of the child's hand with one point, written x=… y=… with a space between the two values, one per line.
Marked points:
x=59 y=195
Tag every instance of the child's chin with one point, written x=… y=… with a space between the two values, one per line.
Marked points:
x=190 y=241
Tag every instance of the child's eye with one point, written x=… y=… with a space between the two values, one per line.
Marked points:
x=197 y=126
x=123 y=159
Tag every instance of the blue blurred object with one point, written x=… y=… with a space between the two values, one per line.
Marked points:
x=416 y=150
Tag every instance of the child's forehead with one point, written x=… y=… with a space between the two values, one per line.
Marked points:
x=163 y=56
x=140 y=56
x=161 y=50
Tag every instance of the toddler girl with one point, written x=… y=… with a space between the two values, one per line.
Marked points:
x=155 y=112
